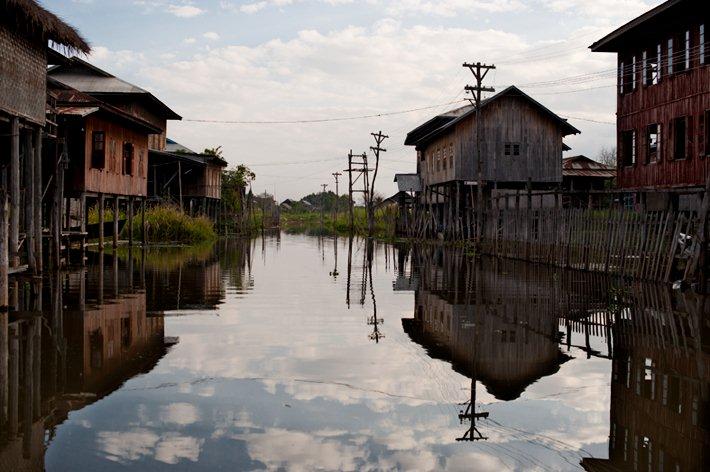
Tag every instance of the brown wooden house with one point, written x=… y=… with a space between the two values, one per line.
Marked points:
x=26 y=30
x=663 y=105
x=521 y=142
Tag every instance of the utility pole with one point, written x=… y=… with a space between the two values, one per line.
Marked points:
x=479 y=72
x=362 y=171
x=322 y=205
x=337 y=197
x=379 y=138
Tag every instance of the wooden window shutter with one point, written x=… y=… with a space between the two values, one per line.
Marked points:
x=690 y=140
x=701 y=135
x=670 y=147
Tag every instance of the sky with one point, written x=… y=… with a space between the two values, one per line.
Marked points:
x=296 y=60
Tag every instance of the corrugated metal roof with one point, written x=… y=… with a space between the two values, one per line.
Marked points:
x=174 y=146
x=582 y=166
x=408 y=182
x=77 y=111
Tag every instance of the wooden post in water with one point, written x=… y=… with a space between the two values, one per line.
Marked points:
x=13 y=381
x=102 y=204
x=83 y=215
x=115 y=221
x=144 y=238
x=14 y=180
x=180 y=185
x=29 y=181
x=129 y=215
x=37 y=188
x=4 y=340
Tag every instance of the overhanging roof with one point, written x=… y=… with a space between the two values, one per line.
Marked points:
x=195 y=158
x=618 y=38
x=88 y=78
x=450 y=119
x=408 y=182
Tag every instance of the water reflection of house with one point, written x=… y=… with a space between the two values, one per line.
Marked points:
x=194 y=283
x=77 y=352
x=495 y=325
x=660 y=390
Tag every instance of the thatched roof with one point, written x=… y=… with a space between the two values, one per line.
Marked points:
x=30 y=19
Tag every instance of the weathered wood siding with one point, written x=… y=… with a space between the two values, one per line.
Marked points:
x=506 y=120
x=110 y=180
x=685 y=93
x=23 y=83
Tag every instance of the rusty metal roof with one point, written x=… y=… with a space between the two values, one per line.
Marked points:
x=582 y=166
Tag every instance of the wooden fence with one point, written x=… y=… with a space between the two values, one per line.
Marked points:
x=639 y=245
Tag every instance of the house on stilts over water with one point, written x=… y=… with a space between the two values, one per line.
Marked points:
x=663 y=105
x=110 y=125
x=521 y=147
x=28 y=36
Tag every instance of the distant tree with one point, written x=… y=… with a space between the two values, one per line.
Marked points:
x=234 y=184
x=607 y=156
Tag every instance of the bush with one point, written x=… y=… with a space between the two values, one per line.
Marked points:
x=168 y=224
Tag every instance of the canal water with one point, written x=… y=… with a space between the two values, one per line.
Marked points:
x=302 y=353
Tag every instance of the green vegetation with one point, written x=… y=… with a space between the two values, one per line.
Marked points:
x=309 y=222
x=168 y=224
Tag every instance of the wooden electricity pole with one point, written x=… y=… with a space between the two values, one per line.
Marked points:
x=337 y=197
x=479 y=72
x=379 y=138
x=362 y=171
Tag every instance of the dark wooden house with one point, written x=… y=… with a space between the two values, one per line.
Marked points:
x=186 y=178
x=26 y=31
x=663 y=104
x=581 y=174
x=109 y=155
x=521 y=143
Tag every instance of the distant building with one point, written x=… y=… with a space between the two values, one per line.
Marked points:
x=663 y=96
x=580 y=173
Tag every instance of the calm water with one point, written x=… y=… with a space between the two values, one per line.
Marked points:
x=298 y=353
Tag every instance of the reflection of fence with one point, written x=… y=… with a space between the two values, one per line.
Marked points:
x=624 y=242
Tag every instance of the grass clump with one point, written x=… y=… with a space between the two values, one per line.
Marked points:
x=167 y=224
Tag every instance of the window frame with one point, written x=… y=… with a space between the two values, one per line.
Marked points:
x=626 y=159
x=653 y=153
x=98 y=156
x=676 y=138
x=127 y=158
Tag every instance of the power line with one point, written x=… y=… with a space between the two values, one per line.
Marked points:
x=320 y=120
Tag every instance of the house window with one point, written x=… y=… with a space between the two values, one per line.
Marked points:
x=633 y=73
x=512 y=149
x=98 y=150
x=628 y=147
x=653 y=142
x=659 y=62
x=127 y=159
x=651 y=68
x=438 y=159
x=443 y=158
x=681 y=58
x=680 y=137
x=687 y=50
x=670 y=56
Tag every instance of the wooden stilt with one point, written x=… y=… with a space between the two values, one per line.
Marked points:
x=14 y=181
x=83 y=215
x=29 y=181
x=37 y=188
x=144 y=238
x=13 y=380
x=129 y=215
x=102 y=203
x=4 y=339
x=115 y=221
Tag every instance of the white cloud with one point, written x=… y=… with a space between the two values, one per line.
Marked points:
x=185 y=11
x=211 y=35
x=189 y=40
x=179 y=413
x=452 y=7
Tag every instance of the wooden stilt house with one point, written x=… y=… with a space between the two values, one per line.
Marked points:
x=521 y=145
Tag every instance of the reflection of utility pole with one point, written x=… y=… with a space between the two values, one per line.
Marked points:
x=379 y=138
x=373 y=321
x=469 y=414
x=337 y=198
x=350 y=268
x=335 y=272
x=322 y=206
x=479 y=72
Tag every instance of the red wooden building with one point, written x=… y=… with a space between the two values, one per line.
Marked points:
x=663 y=106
